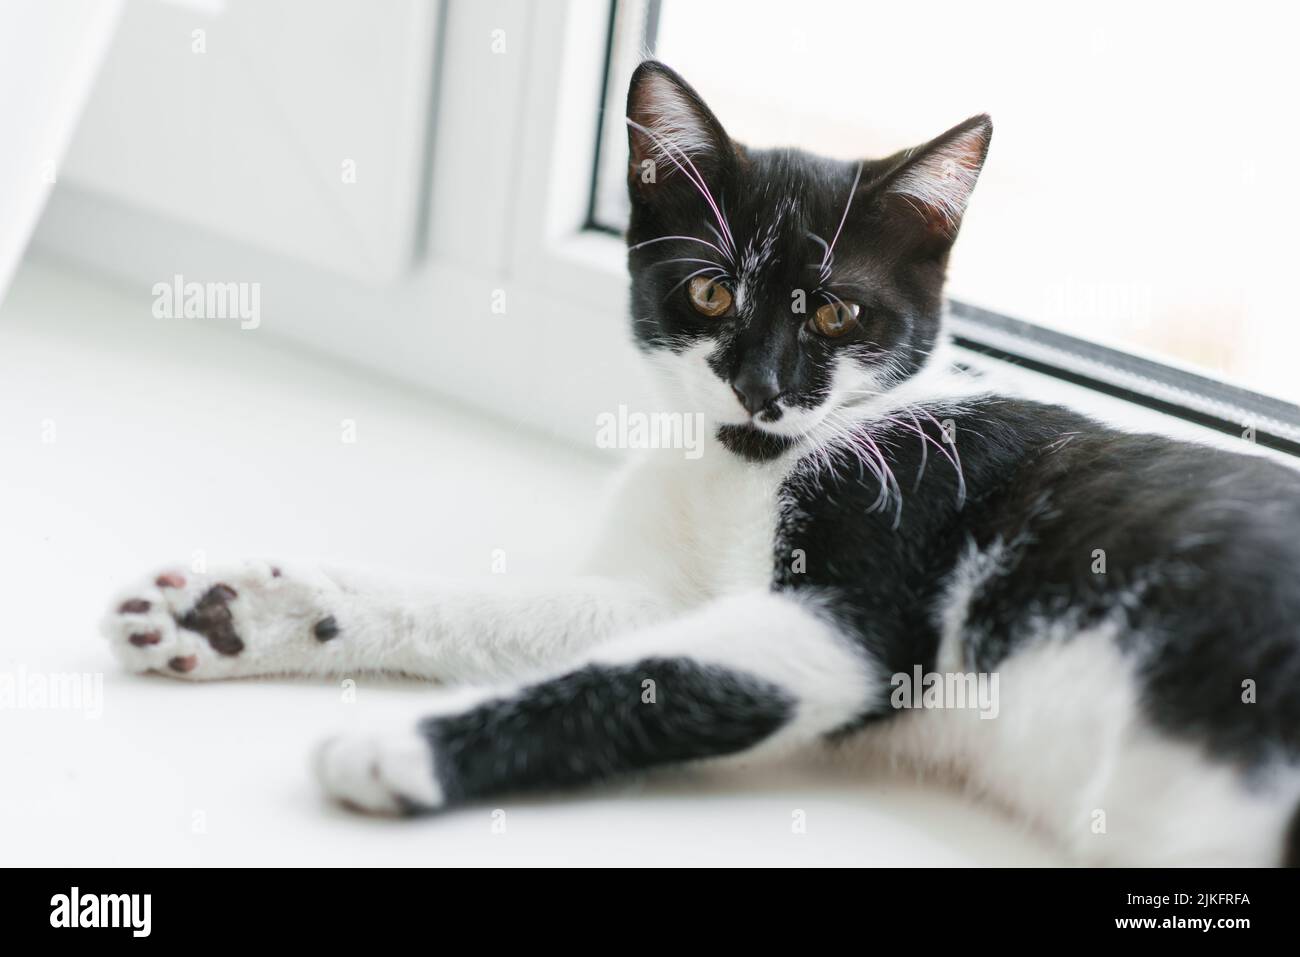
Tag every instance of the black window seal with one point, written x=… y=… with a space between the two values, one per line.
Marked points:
x=1191 y=396
x=649 y=34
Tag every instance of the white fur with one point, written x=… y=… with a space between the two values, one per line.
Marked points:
x=942 y=179
x=973 y=571
x=1069 y=744
x=473 y=630
x=674 y=120
x=384 y=773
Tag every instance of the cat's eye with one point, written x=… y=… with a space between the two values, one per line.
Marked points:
x=709 y=297
x=836 y=318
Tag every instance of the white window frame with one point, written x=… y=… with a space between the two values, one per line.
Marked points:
x=510 y=165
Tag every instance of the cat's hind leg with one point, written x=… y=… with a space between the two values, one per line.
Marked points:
x=745 y=674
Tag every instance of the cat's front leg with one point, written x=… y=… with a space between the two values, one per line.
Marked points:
x=746 y=674
x=264 y=619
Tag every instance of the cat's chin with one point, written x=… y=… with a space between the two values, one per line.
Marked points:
x=752 y=443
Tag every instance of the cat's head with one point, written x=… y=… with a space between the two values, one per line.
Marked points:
x=774 y=288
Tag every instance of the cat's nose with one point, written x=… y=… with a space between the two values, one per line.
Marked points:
x=755 y=388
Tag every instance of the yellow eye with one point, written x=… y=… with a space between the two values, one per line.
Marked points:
x=709 y=298
x=835 y=319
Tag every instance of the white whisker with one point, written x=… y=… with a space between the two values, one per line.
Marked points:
x=829 y=259
x=698 y=272
x=664 y=239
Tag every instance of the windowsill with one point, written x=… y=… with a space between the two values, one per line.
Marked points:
x=595 y=249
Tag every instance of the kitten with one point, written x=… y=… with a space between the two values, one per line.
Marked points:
x=865 y=537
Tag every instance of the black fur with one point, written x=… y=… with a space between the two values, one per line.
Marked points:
x=326 y=628
x=1206 y=543
x=598 y=722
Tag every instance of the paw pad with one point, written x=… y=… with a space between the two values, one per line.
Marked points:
x=212 y=619
x=188 y=624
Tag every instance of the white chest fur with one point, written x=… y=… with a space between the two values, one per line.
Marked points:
x=731 y=513
x=698 y=529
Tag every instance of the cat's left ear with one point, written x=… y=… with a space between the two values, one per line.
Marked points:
x=928 y=187
x=672 y=135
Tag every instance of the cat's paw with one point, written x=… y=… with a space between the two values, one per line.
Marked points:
x=380 y=773
x=200 y=627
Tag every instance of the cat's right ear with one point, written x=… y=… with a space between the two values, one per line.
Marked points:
x=928 y=187
x=672 y=135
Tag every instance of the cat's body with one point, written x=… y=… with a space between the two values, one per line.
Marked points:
x=860 y=517
x=1083 y=566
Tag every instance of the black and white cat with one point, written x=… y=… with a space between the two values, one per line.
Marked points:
x=860 y=515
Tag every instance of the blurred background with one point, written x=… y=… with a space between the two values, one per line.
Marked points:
x=342 y=280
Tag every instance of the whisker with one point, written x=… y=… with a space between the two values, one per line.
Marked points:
x=730 y=258
x=920 y=471
x=830 y=250
x=686 y=259
x=698 y=272
x=954 y=457
x=836 y=298
x=664 y=239
x=874 y=458
x=889 y=474
x=824 y=266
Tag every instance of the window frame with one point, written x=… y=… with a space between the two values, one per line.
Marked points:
x=500 y=221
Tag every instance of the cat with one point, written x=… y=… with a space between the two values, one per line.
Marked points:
x=865 y=531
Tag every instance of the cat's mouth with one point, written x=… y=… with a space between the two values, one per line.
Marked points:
x=753 y=443
x=762 y=439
